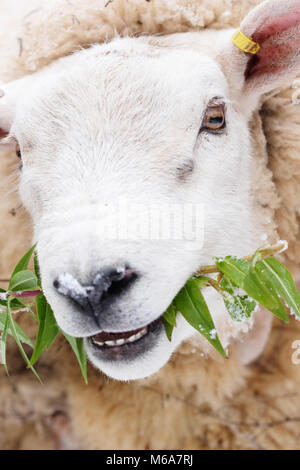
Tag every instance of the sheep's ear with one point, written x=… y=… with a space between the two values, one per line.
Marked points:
x=7 y=114
x=275 y=26
x=5 y=120
x=10 y=95
x=3 y=134
x=3 y=126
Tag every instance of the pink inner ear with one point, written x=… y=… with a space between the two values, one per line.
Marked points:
x=277 y=25
x=279 y=40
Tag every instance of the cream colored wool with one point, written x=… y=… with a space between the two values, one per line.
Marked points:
x=193 y=402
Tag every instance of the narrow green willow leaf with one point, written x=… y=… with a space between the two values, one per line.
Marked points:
x=79 y=351
x=24 y=261
x=16 y=338
x=256 y=257
x=48 y=329
x=261 y=289
x=276 y=273
x=21 y=334
x=23 y=281
x=202 y=280
x=3 y=342
x=169 y=318
x=2 y=301
x=239 y=306
x=168 y=329
x=37 y=269
x=228 y=286
x=34 y=316
x=170 y=315
x=234 y=268
x=191 y=304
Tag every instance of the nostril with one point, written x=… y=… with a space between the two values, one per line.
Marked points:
x=122 y=274
x=129 y=274
x=113 y=281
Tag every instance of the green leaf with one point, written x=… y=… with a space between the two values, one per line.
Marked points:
x=34 y=316
x=48 y=329
x=239 y=306
x=281 y=282
x=169 y=318
x=260 y=287
x=168 y=329
x=23 y=281
x=257 y=285
x=3 y=302
x=256 y=257
x=78 y=348
x=21 y=334
x=202 y=280
x=234 y=268
x=170 y=315
x=37 y=269
x=3 y=341
x=191 y=304
x=15 y=335
x=24 y=261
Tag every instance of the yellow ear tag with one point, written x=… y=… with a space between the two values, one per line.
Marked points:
x=244 y=43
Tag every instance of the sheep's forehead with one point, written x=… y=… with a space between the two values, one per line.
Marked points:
x=117 y=85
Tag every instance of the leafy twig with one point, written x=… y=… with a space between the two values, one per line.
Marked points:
x=243 y=283
x=265 y=253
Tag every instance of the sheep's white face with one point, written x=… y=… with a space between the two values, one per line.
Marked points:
x=153 y=121
x=127 y=121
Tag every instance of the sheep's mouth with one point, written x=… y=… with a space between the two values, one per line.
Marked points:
x=118 y=339
x=126 y=344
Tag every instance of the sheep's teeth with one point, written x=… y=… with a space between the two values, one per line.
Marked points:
x=138 y=335
x=120 y=341
x=132 y=338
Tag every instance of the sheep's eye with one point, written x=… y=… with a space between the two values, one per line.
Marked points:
x=214 y=119
x=18 y=151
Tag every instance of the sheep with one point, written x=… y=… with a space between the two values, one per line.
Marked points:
x=168 y=88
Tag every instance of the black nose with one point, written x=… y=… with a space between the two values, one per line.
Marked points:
x=106 y=286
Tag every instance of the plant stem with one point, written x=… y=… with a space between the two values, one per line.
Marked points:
x=31 y=293
x=20 y=294
x=265 y=253
x=216 y=286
